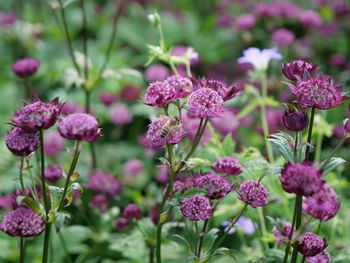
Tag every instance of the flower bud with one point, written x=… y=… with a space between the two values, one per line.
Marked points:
x=295 y=120
x=347 y=125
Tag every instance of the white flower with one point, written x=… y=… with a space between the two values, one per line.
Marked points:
x=259 y=58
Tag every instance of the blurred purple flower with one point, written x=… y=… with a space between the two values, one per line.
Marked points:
x=119 y=114
x=282 y=37
x=156 y=72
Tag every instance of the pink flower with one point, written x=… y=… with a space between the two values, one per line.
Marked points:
x=119 y=114
x=25 y=67
x=196 y=207
x=205 y=102
x=283 y=37
x=245 y=21
x=215 y=185
x=311 y=244
x=228 y=166
x=22 y=143
x=253 y=193
x=159 y=94
x=157 y=72
x=132 y=211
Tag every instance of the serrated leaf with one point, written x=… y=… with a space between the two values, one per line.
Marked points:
x=180 y=240
x=193 y=191
x=60 y=218
x=273 y=171
x=228 y=145
x=333 y=163
x=55 y=196
x=282 y=142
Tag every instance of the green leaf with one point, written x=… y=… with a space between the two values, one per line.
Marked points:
x=60 y=218
x=274 y=256
x=30 y=203
x=55 y=196
x=273 y=171
x=193 y=191
x=333 y=163
x=180 y=240
x=228 y=145
x=282 y=141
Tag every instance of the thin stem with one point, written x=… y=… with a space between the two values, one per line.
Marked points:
x=172 y=66
x=201 y=240
x=70 y=173
x=151 y=254
x=319 y=227
x=299 y=200
x=188 y=70
x=68 y=38
x=286 y=253
x=116 y=17
x=264 y=121
x=85 y=39
x=91 y=145
x=263 y=227
x=22 y=250
x=42 y=173
x=296 y=147
x=309 y=135
x=64 y=246
x=46 y=243
x=217 y=244
x=21 y=178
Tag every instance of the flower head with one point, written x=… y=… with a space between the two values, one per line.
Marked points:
x=132 y=211
x=53 y=143
x=155 y=135
x=159 y=94
x=225 y=92
x=22 y=222
x=309 y=18
x=157 y=72
x=119 y=114
x=253 y=193
x=205 y=102
x=301 y=179
x=21 y=142
x=53 y=174
x=80 y=126
x=215 y=185
x=282 y=234
x=37 y=116
x=121 y=223
x=182 y=85
x=245 y=21
x=295 y=120
x=320 y=92
x=130 y=93
x=107 y=98
x=196 y=207
x=296 y=69
x=283 y=37
x=323 y=204
x=259 y=58
x=311 y=244
x=322 y=257
x=103 y=183
x=228 y=166
x=25 y=67
x=225 y=123
x=133 y=167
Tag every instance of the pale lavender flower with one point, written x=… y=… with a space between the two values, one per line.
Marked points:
x=259 y=58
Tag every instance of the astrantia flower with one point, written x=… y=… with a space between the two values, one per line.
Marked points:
x=25 y=67
x=37 y=116
x=70 y=108
x=215 y=185
x=53 y=143
x=322 y=257
x=154 y=137
x=119 y=114
x=323 y=204
x=259 y=58
x=22 y=143
x=157 y=72
x=227 y=165
x=100 y=201
x=226 y=92
x=22 y=222
x=103 y=183
x=130 y=93
x=297 y=68
x=80 y=126
x=159 y=94
x=121 y=223
x=320 y=93
x=245 y=21
x=182 y=85
x=301 y=179
x=282 y=235
x=311 y=244
x=295 y=120
x=107 y=98
x=282 y=37
x=133 y=167
x=53 y=174
x=253 y=193
x=226 y=122
x=309 y=18
x=132 y=211
x=196 y=207
x=205 y=102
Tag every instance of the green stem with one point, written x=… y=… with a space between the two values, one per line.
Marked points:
x=85 y=39
x=68 y=38
x=263 y=227
x=309 y=135
x=172 y=66
x=286 y=253
x=151 y=254
x=319 y=227
x=46 y=243
x=201 y=240
x=91 y=144
x=21 y=178
x=116 y=17
x=299 y=202
x=218 y=243
x=22 y=250
x=188 y=69
x=296 y=147
x=264 y=121
x=70 y=173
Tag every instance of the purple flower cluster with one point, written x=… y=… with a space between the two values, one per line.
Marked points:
x=297 y=68
x=253 y=193
x=196 y=207
x=228 y=166
x=311 y=244
x=53 y=174
x=301 y=179
x=224 y=91
x=21 y=142
x=132 y=211
x=119 y=114
x=154 y=136
x=322 y=257
x=215 y=185
x=282 y=37
x=282 y=234
x=22 y=222
x=53 y=143
x=204 y=103
x=37 y=116
x=25 y=67
x=323 y=204
x=103 y=183
x=80 y=126
x=133 y=167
